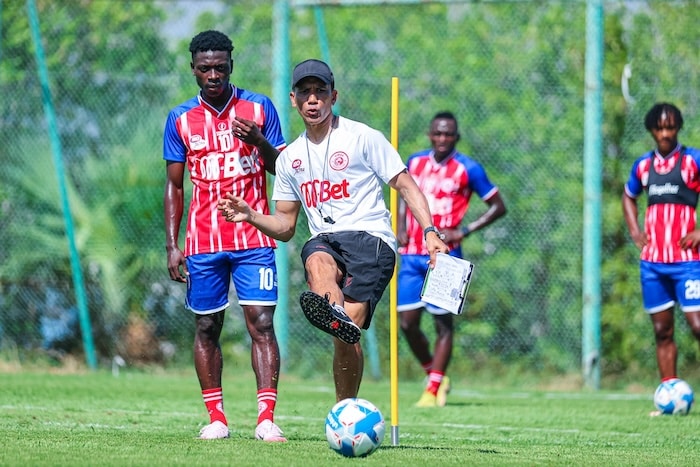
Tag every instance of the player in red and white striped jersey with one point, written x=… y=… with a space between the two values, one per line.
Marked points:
x=226 y=137
x=670 y=241
x=448 y=179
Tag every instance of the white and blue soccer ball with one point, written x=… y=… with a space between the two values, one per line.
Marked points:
x=354 y=427
x=674 y=397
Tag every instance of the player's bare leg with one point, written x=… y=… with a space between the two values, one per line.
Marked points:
x=442 y=354
x=208 y=363
x=415 y=337
x=323 y=276
x=348 y=359
x=693 y=319
x=265 y=358
x=348 y=365
x=435 y=364
x=444 y=330
x=264 y=351
x=666 y=349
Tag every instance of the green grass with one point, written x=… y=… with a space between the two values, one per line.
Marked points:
x=96 y=418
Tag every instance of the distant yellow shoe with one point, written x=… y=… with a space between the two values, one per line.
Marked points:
x=443 y=391
x=428 y=399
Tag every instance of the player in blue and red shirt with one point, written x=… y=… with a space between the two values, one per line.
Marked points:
x=448 y=179
x=227 y=137
x=669 y=243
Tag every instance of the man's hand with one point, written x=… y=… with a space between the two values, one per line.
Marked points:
x=247 y=131
x=691 y=241
x=435 y=246
x=640 y=239
x=177 y=267
x=234 y=208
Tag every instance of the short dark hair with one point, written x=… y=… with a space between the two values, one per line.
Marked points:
x=651 y=121
x=210 y=40
x=445 y=115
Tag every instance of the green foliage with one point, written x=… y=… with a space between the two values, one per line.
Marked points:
x=121 y=208
x=102 y=58
x=513 y=72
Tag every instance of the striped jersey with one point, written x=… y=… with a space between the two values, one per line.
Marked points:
x=200 y=136
x=669 y=213
x=448 y=185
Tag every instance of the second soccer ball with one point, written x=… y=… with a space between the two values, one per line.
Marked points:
x=674 y=397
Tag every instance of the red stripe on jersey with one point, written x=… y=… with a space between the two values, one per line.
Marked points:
x=666 y=224
x=220 y=163
x=446 y=187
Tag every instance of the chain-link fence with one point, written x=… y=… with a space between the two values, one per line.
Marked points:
x=513 y=73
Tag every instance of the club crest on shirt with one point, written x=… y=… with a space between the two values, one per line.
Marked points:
x=197 y=142
x=296 y=166
x=339 y=161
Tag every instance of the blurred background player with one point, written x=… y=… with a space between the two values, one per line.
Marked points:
x=670 y=258
x=228 y=137
x=448 y=179
x=335 y=170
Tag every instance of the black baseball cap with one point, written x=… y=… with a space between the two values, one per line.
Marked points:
x=315 y=68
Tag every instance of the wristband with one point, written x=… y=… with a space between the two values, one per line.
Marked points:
x=432 y=228
x=465 y=231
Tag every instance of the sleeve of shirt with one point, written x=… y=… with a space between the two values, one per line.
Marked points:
x=283 y=189
x=382 y=156
x=479 y=182
x=174 y=149
x=272 y=129
x=694 y=168
x=634 y=187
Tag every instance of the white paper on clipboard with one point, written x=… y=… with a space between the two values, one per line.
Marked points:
x=446 y=285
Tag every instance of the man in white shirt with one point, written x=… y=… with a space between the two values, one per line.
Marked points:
x=335 y=170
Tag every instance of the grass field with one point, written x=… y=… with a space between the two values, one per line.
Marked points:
x=135 y=418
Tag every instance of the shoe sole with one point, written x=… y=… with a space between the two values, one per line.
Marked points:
x=320 y=313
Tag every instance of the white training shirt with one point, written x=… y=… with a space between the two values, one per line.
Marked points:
x=341 y=178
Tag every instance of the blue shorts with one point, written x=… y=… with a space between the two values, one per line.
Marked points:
x=412 y=271
x=664 y=284
x=254 y=275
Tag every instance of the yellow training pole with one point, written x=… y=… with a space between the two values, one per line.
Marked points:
x=393 y=289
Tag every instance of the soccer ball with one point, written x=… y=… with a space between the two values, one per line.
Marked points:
x=674 y=397
x=354 y=427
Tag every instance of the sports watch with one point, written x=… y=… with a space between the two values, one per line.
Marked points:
x=432 y=228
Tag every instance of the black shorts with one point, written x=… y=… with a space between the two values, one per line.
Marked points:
x=367 y=263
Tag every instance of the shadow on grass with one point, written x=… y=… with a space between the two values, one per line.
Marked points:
x=433 y=448
x=464 y=404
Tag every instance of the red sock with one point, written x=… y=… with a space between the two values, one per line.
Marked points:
x=434 y=380
x=267 y=398
x=214 y=401
x=663 y=380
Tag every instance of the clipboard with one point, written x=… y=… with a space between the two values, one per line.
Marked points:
x=446 y=285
